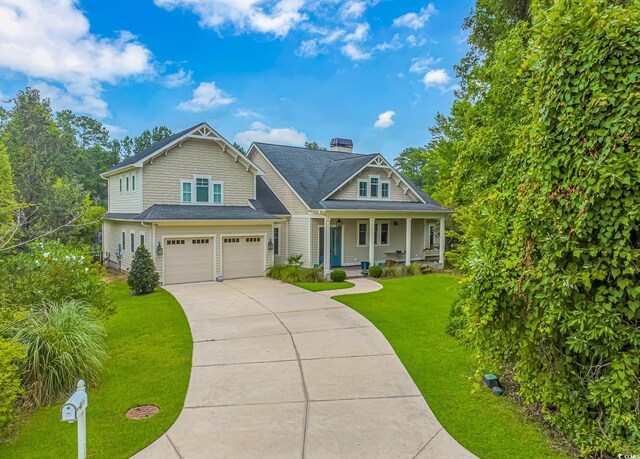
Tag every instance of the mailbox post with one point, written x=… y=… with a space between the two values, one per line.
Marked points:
x=75 y=410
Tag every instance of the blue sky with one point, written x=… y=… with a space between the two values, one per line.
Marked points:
x=283 y=71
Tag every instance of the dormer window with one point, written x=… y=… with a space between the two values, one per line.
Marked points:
x=201 y=190
x=374 y=188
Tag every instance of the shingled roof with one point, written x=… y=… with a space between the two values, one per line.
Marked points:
x=314 y=174
x=173 y=212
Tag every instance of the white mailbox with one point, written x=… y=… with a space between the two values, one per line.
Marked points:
x=75 y=410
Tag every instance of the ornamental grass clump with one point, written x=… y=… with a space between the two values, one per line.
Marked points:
x=143 y=276
x=63 y=342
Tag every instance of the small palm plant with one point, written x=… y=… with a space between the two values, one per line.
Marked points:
x=63 y=342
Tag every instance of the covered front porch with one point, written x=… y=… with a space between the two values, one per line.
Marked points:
x=376 y=239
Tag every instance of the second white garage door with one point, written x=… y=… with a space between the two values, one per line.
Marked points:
x=188 y=260
x=242 y=256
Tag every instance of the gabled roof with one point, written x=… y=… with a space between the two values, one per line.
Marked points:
x=199 y=131
x=173 y=212
x=312 y=173
x=266 y=200
x=316 y=174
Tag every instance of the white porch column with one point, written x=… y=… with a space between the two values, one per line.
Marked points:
x=442 y=241
x=372 y=241
x=327 y=251
x=408 y=241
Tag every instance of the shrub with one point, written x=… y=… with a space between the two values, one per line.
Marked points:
x=414 y=269
x=143 y=275
x=63 y=342
x=51 y=271
x=392 y=270
x=293 y=272
x=338 y=275
x=11 y=356
x=313 y=274
x=295 y=260
x=375 y=271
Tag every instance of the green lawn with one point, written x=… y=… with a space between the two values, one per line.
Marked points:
x=149 y=344
x=412 y=313
x=321 y=286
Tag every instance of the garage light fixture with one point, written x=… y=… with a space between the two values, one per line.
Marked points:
x=339 y=223
x=159 y=248
x=270 y=245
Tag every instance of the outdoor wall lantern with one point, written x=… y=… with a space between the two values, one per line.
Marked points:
x=270 y=245
x=159 y=248
x=339 y=223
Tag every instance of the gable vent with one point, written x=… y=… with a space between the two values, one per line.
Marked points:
x=342 y=145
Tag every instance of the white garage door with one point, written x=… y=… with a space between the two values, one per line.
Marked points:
x=188 y=260
x=242 y=256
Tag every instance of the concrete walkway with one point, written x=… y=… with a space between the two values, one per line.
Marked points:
x=361 y=285
x=280 y=372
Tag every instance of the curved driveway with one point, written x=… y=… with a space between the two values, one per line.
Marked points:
x=280 y=372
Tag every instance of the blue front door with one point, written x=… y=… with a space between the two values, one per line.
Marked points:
x=335 y=251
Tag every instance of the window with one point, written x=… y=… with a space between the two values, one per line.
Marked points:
x=142 y=239
x=384 y=190
x=276 y=240
x=199 y=241
x=124 y=239
x=384 y=234
x=133 y=242
x=202 y=190
x=186 y=191
x=217 y=192
x=252 y=239
x=120 y=185
x=133 y=183
x=362 y=234
x=375 y=183
x=231 y=240
x=175 y=242
x=432 y=236
x=363 y=189
x=127 y=183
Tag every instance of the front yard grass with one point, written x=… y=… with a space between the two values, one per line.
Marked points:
x=322 y=286
x=412 y=313
x=149 y=344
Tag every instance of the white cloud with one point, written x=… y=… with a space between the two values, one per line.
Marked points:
x=361 y=33
x=276 y=18
x=309 y=48
x=422 y=64
x=385 y=120
x=259 y=132
x=177 y=79
x=247 y=113
x=392 y=45
x=417 y=20
x=354 y=53
x=115 y=131
x=353 y=9
x=436 y=77
x=51 y=42
x=414 y=42
x=206 y=96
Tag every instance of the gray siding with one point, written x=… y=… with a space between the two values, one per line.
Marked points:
x=113 y=236
x=125 y=201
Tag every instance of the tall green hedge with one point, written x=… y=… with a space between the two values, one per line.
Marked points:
x=552 y=247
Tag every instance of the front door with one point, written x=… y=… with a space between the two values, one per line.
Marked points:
x=335 y=251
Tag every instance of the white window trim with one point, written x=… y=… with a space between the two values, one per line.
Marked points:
x=127 y=182
x=141 y=236
x=194 y=195
x=132 y=247
x=379 y=233
x=133 y=182
x=123 y=238
x=192 y=183
x=277 y=248
x=217 y=182
x=358 y=223
x=379 y=187
x=388 y=183
x=363 y=181
x=121 y=187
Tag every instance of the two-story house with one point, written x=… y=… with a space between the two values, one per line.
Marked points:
x=204 y=209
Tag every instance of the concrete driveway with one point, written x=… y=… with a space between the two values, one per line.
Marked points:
x=279 y=372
